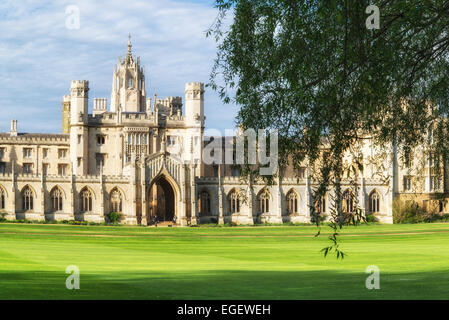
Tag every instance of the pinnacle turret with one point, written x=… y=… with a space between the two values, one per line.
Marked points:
x=129 y=53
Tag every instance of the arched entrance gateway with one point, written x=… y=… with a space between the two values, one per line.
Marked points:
x=161 y=200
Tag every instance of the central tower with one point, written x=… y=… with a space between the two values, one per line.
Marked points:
x=128 y=84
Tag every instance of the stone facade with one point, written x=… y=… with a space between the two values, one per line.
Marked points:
x=142 y=157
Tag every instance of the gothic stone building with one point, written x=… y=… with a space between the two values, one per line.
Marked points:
x=142 y=158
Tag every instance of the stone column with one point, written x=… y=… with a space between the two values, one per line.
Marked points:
x=122 y=151
x=143 y=192
x=36 y=161
x=220 y=198
x=102 y=209
x=250 y=195
x=132 y=182
x=362 y=194
x=72 y=194
x=193 y=208
x=394 y=184
x=41 y=213
x=182 y=213
x=278 y=214
x=13 y=190
x=307 y=213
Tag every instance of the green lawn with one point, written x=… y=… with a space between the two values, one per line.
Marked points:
x=222 y=263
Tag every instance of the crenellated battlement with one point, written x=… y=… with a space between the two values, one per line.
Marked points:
x=35 y=138
x=79 y=88
x=190 y=86
x=169 y=101
x=79 y=84
x=194 y=91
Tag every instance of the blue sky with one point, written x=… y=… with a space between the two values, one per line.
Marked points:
x=39 y=55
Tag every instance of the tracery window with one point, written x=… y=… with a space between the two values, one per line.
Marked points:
x=374 y=202
x=56 y=199
x=234 y=202
x=27 y=197
x=292 y=202
x=320 y=205
x=86 y=200
x=348 y=202
x=2 y=198
x=264 y=201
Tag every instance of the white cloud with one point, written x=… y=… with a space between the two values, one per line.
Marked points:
x=39 y=55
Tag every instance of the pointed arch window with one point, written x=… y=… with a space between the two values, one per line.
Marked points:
x=116 y=201
x=234 y=202
x=374 y=202
x=27 y=198
x=320 y=204
x=2 y=198
x=204 y=203
x=348 y=202
x=292 y=202
x=86 y=200
x=264 y=202
x=56 y=199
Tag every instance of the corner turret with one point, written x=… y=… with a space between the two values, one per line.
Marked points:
x=195 y=104
x=79 y=139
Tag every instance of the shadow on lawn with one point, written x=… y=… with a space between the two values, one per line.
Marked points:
x=224 y=284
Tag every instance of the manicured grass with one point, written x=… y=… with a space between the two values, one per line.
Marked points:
x=222 y=263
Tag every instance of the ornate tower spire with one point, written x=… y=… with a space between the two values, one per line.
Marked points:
x=129 y=44
x=128 y=84
x=129 y=57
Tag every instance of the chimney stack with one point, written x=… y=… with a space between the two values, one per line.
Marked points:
x=13 y=128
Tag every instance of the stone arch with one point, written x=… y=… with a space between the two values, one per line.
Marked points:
x=174 y=184
x=91 y=191
x=163 y=196
x=60 y=188
x=28 y=186
x=4 y=190
x=121 y=191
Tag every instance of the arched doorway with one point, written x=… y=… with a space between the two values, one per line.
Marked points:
x=161 y=200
